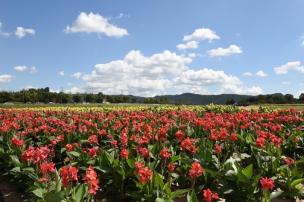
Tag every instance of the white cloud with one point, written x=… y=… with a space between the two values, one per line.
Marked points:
x=20 y=68
x=231 y=50
x=187 y=45
x=202 y=34
x=295 y=66
x=22 y=32
x=247 y=74
x=161 y=73
x=261 y=73
x=61 y=73
x=77 y=75
x=23 y=68
x=5 y=78
x=192 y=55
x=33 y=70
x=95 y=23
x=2 y=33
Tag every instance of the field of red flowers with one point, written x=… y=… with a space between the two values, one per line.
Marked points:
x=154 y=155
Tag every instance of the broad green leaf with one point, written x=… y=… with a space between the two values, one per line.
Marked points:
x=297 y=181
x=79 y=194
x=15 y=160
x=248 y=171
x=54 y=196
x=16 y=170
x=74 y=153
x=39 y=192
x=179 y=193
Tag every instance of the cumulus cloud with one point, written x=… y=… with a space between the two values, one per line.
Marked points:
x=61 y=73
x=23 y=68
x=77 y=75
x=247 y=74
x=261 y=73
x=160 y=73
x=187 y=45
x=22 y=32
x=219 y=52
x=5 y=78
x=95 y=23
x=284 y=69
x=202 y=34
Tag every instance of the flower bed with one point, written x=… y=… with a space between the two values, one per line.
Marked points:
x=154 y=155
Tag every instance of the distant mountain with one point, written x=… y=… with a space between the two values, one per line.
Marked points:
x=197 y=99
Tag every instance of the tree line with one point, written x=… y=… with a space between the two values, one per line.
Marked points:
x=276 y=98
x=44 y=95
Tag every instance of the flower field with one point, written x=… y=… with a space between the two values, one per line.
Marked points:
x=161 y=153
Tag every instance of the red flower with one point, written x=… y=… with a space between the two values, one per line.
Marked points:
x=164 y=153
x=218 y=148
x=143 y=151
x=188 y=145
x=17 y=142
x=196 y=170
x=124 y=154
x=114 y=143
x=171 y=167
x=289 y=161
x=93 y=139
x=145 y=175
x=68 y=174
x=35 y=154
x=46 y=167
x=179 y=135
x=260 y=142
x=92 y=152
x=139 y=165
x=28 y=154
x=267 y=183
x=208 y=195
x=92 y=180
x=68 y=147
x=233 y=137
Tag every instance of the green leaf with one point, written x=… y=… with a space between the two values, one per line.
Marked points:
x=130 y=162
x=16 y=170
x=167 y=188
x=74 y=153
x=108 y=157
x=39 y=192
x=179 y=193
x=79 y=194
x=248 y=171
x=54 y=196
x=297 y=181
x=28 y=169
x=62 y=150
x=15 y=160
x=192 y=197
x=158 y=180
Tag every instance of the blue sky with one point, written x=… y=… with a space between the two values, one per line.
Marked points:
x=153 y=47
